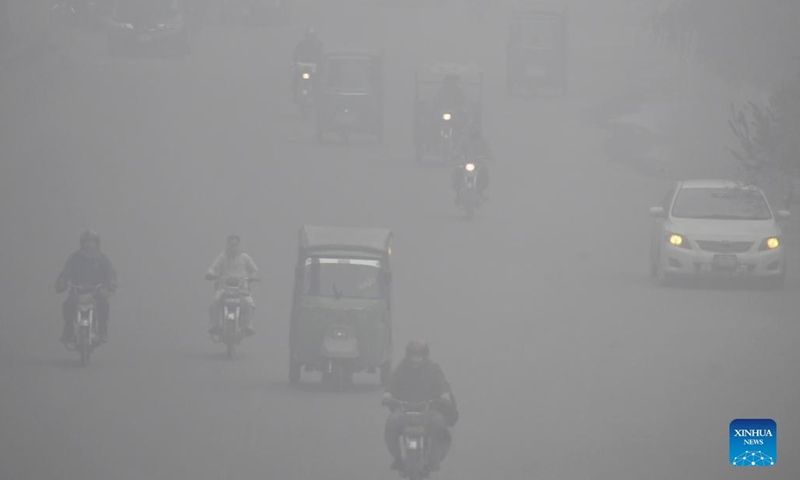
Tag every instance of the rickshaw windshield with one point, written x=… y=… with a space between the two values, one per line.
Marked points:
x=536 y=33
x=349 y=278
x=348 y=74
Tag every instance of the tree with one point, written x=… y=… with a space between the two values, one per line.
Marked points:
x=769 y=139
x=749 y=41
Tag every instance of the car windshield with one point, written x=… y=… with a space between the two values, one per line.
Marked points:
x=339 y=277
x=536 y=33
x=352 y=74
x=721 y=204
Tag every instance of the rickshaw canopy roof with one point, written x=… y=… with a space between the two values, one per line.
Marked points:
x=320 y=238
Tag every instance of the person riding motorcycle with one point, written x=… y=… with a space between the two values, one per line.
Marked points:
x=232 y=263
x=87 y=267
x=308 y=50
x=474 y=150
x=419 y=379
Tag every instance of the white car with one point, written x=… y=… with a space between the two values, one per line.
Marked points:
x=717 y=228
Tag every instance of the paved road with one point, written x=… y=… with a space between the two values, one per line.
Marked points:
x=568 y=363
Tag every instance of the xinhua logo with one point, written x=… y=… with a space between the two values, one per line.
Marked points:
x=753 y=442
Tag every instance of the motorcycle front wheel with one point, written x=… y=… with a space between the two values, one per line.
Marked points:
x=230 y=340
x=84 y=345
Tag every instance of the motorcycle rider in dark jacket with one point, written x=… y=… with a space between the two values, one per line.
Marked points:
x=308 y=50
x=418 y=379
x=87 y=266
x=474 y=150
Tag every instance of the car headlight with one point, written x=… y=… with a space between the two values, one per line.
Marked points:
x=306 y=76
x=677 y=240
x=446 y=117
x=770 y=243
x=469 y=167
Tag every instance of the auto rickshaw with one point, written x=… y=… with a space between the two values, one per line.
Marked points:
x=341 y=320
x=536 y=52
x=438 y=127
x=349 y=96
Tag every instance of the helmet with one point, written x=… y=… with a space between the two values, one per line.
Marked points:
x=418 y=347
x=89 y=236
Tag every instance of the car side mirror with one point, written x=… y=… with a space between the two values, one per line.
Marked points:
x=657 y=212
x=784 y=214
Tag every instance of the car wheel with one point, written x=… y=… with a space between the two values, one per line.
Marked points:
x=661 y=277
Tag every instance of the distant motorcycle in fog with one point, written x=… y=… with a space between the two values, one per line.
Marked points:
x=468 y=184
x=305 y=100
x=234 y=293
x=85 y=326
x=415 y=441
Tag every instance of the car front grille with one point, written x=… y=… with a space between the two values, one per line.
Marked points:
x=724 y=246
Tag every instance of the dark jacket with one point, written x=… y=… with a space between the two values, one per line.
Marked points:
x=418 y=384
x=423 y=383
x=89 y=270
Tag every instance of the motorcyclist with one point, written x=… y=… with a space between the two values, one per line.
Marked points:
x=419 y=379
x=474 y=150
x=232 y=263
x=308 y=50
x=88 y=266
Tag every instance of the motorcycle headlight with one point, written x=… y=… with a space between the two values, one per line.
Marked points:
x=306 y=76
x=446 y=117
x=677 y=240
x=470 y=167
x=770 y=243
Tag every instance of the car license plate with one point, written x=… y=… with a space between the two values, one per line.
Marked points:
x=145 y=38
x=725 y=261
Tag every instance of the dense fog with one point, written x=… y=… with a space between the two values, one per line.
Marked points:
x=568 y=361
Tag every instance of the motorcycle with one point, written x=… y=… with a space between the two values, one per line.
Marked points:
x=446 y=138
x=305 y=100
x=234 y=294
x=468 y=198
x=415 y=443
x=84 y=325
